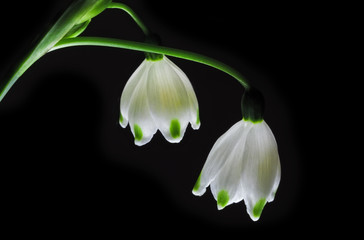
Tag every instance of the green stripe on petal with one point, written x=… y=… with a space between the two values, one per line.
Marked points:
x=138 y=133
x=258 y=207
x=197 y=184
x=121 y=118
x=198 y=117
x=222 y=198
x=175 y=128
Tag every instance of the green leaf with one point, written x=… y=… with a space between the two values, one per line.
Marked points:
x=69 y=24
x=98 y=6
x=77 y=29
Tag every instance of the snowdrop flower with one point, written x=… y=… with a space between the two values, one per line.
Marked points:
x=158 y=96
x=242 y=165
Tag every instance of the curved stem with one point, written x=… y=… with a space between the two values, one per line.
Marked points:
x=135 y=17
x=145 y=47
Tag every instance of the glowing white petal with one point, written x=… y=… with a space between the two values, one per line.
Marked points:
x=219 y=156
x=259 y=176
x=228 y=179
x=168 y=99
x=140 y=120
x=276 y=183
x=129 y=91
x=193 y=104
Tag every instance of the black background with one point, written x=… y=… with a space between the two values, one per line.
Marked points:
x=66 y=164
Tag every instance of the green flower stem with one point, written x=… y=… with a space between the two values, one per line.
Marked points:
x=146 y=47
x=132 y=14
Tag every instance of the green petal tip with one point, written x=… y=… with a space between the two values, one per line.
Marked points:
x=175 y=128
x=138 y=133
x=222 y=198
x=197 y=184
x=258 y=207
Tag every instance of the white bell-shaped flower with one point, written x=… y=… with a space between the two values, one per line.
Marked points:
x=243 y=164
x=158 y=96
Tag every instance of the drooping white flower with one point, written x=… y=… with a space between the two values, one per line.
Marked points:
x=158 y=96
x=242 y=165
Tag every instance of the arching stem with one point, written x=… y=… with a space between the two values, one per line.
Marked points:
x=146 y=47
x=135 y=17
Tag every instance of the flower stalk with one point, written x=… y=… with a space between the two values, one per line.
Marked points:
x=146 y=47
x=75 y=20
x=135 y=17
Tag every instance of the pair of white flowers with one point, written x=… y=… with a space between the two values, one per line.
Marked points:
x=242 y=165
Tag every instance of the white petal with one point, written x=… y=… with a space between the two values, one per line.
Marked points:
x=168 y=100
x=276 y=183
x=128 y=92
x=193 y=108
x=261 y=169
x=229 y=178
x=141 y=122
x=175 y=131
x=219 y=156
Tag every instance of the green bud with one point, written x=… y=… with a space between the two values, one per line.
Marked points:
x=252 y=105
